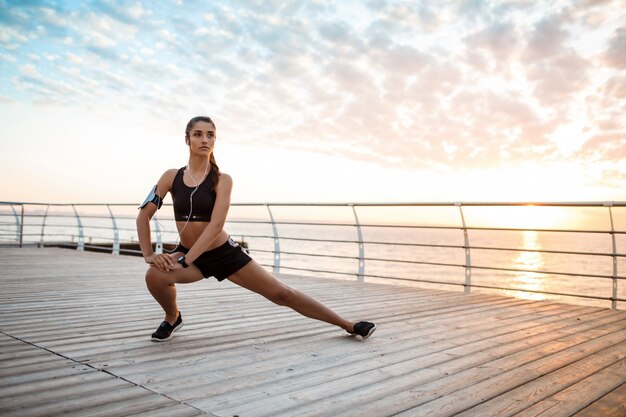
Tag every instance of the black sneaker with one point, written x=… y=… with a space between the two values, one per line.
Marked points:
x=363 y=329
x=166 y=330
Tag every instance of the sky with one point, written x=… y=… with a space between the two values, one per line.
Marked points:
x=316 y=101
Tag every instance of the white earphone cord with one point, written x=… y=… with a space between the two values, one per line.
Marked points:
x=190 y=204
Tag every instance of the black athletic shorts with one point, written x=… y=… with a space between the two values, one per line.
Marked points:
x=220 y=262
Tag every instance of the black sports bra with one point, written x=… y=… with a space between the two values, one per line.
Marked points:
x=203 y=199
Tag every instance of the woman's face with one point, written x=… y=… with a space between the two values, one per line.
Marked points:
x=202 y=138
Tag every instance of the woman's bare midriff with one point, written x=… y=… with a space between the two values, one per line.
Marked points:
x=193 y=231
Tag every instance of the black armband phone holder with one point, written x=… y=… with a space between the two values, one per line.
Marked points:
x=152 y=198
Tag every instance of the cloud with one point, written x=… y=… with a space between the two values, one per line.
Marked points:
x=500 y=40
x=120 y=11
x=408 y=16
x=615 y=87
x=615 y=54
x=546 y=40
x=435 y=85
x=557 y=79
x=10 y=36
x=606 y=147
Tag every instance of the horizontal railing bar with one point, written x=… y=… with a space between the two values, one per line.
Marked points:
x=548 y=251
x=318 y=255
x=365 y=259
x=49 y=234
x=505 y=229
x=415 y=280
x=493 y=248
x=246 y=235
x=365 y=204
x=570 y=274
x=313 y=270
x=351 y=225
x=495 y=288
x=405 y=226
x=494 y=229
x=371 y=242
x=430 y=245
x=444 y=204
x=596 y=297
x=306 y=239
x=249 y=221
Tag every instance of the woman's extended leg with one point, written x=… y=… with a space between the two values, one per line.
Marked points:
x=255 y=278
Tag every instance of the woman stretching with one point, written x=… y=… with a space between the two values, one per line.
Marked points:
x=201 y=195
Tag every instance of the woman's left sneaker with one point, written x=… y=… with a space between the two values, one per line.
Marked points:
x=166 y=330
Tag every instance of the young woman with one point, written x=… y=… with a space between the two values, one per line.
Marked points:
x=201 y=195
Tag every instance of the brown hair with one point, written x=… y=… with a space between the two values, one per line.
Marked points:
x=215 y=170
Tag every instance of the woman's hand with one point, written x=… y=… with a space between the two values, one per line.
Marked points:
x=162 y=261
x=174 y=258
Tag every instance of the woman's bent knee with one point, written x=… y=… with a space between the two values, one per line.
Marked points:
x=154 y=276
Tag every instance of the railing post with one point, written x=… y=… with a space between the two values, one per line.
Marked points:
x=17 y=224
x=468 y=259
x=22 y=227
x=276 y=268
x=159 y=241
x=116 y=235
x=43 y=225
x=361 y=273
x=81 y=237
x=614 y=257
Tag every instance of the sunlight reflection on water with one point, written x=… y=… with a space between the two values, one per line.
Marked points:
x=530 y=261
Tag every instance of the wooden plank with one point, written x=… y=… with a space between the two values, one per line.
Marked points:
x=612 y=404
x=114 y=402
x=82 y=389
x=178 y=410
x=582 y=380
x=61 y=386
x=580 y=395
x=527 y=374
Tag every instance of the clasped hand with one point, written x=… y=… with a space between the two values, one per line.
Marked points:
x=164 y=262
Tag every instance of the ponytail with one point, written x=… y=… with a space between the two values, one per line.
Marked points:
x=215 y=172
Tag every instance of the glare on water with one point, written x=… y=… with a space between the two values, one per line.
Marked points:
x=529 y=260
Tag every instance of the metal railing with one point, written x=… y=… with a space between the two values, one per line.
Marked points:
x=15 y=229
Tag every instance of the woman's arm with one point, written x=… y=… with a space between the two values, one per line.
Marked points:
x=163 y=262
x=218 y=219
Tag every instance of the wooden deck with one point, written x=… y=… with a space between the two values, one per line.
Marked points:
x=74 y=340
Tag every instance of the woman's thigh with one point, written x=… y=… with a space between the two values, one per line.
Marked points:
x=256 y=278
x=177 y=276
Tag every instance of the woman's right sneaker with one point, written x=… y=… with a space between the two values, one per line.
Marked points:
x=166 y=330
x=363 y=329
